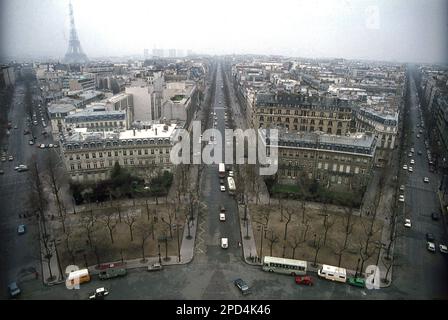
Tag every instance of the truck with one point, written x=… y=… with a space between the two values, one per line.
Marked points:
x=112 y=273
x=221 y=170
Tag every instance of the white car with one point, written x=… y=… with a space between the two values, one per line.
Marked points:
x=410 y=154
x=412 y=161
x=443 y=248
x=30 y=142
x=430 y=246
x=410 y=169
x=224 y=243
x=230 y=173
x=222 y=217
x=407 y=223
x=426 y=180
x=223 y=188
x=401 y=198
x=412 y=149
x=405 y=167
x=402 y=187
x=42 y=146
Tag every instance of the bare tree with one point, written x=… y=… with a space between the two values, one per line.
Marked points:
x=47 y=253
x=144 y=232
x=88 y=223
x=273 y=239
x=37 y=197
x=110 y=221
x=130 y=220
x=68 y=245
x=289 y=214
x=302 y=205
x=54 y=179
x=169 y=223
x=317 y=248
x=328 y=223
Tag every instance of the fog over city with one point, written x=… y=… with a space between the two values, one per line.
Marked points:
x=397 y=30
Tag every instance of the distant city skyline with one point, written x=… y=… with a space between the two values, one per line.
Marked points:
x=401 y=31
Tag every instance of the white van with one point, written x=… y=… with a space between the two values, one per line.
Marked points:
x=224 y=243
x=332 y=273
x=222 y=217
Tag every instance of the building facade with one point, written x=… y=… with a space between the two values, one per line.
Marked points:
x=336 y=162
x=90 y=156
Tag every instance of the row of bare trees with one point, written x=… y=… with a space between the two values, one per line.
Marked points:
x=317 y=239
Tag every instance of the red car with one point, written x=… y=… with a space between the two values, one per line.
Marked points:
x=306 y=280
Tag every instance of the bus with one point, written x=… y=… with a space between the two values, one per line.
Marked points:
x=222 y=170
x=231 y=184
x=283 y=265
x=78 y=277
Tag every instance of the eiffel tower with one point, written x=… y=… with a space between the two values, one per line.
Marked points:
x=74 y=53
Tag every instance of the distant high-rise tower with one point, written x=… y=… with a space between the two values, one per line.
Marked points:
x=74 y=53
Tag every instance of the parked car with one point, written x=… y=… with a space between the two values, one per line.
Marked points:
x=443 y=248
x=405 y=167
x=357 y=282
x=305 y=280
x=21 y=167
x=99 y=294
x=435 y=216
x=2 y=171
x=401 y=198
x=407 y=223
x=222 y=188
x=30 y=142
x=10 y=158
x=14 y=289
x=402 y=187
x=112 y=273
x=222 y=216
x=21 y=229
x=242 y=285
x=155 y=267
x=431 y=246
x=410 y=169
x=426 y=180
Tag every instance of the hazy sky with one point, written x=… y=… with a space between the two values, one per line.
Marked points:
x=402 y=30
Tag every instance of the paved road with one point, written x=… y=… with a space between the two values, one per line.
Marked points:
x=19 y=254
x=420 y=274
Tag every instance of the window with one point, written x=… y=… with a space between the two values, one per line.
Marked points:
x=341 y=168
x=109 y=154
x=131 y=152
x=326 y=166
x=93 y=155
x=125 y=153
x=356 y=170
x=79 y=166
x=87 y=156
x=335 y=167
x=319 y=165
x=347 y=169
x=72 y=167
x=116 y=153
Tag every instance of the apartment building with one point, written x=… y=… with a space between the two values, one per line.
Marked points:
x=339 y=162
x=90 y=156
x=296 y=112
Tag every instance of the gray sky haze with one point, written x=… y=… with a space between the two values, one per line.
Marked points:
x=394 y=30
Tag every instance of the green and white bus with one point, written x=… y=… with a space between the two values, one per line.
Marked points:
x=283 y=265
